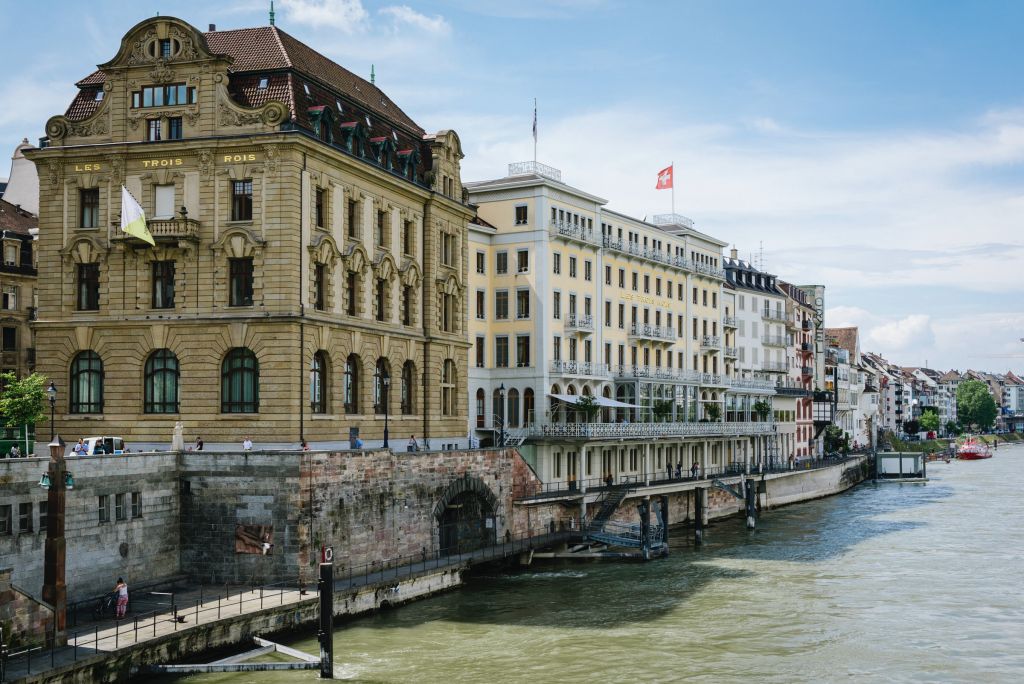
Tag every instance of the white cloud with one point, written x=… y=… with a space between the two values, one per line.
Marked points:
x=403 y=14
x=906 y=334
x=345 y=15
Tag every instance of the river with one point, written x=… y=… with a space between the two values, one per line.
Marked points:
x=885 y=583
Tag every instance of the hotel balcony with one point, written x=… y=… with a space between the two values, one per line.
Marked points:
x=729 y=322
x=584 y=431
x=709 y=270
x=773 y=315
x=585 y=368
x=572 y=231
x=806 y=371
x=774 y=367
x=730 y=352
x=806 y=348
x=638 y=250
x=751 y=383
x=775 y=341
x=168 y=230
x=574 y=322
x=654 y=333
x=711 y=342
x=806 y=325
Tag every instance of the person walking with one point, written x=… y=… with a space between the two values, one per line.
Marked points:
x=694 y=469
x=121 y=590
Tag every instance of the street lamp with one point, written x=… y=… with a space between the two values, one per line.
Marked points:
x=501 y=425
x=51 y=392
x=385 y=382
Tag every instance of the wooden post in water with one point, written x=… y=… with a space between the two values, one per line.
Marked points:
x=326 y=633
x=663 y=512
x=645 y=528
x=751 y=497
x=698 y=515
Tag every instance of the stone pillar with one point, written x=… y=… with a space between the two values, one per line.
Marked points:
x=54 y=588
x=698 y=515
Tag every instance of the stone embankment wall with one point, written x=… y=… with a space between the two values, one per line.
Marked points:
x=24 y=620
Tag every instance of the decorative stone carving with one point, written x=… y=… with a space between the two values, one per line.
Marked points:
x=271 y=155
x=95 y=126
x=232 y=117
x=162 y=74
x=138 y=53
x=205 y=162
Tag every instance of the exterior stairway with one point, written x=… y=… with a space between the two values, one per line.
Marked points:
x=609 y=501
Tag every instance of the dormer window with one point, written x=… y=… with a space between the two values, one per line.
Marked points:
x=161 y=96
x=305 y=87
x=99 y=96
x=394 y=135
x=165 y=47
x=337 y=103
x=264 y=82
x=368 y=124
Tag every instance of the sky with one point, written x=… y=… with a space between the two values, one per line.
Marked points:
x=873 y=147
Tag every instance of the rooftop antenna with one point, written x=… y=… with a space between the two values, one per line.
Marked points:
x=373 y=76
x=271 y=12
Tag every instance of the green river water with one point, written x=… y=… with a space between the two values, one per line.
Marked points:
x=885 y=583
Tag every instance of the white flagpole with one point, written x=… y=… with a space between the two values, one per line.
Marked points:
x=535 y=131
x=673 y=167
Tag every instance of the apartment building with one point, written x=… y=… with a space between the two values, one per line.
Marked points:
x=17 y=289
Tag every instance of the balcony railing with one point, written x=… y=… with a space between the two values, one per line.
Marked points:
x=573 y=230
x=751 y=383
x=579 y=368
x=806 y=348
x=806 y=325
x=711 y=342
x=708 y=270
x=774 y=341
x=806 y=371
x=657 y=333
x=774 y=367
x=729 y=321
x=638 y=250
x=731 y=352
x=647 y=430
x=165 y=230
x=773 y=315
x=583 y=323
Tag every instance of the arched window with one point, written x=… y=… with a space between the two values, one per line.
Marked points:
x=513 y=407
x=448 y=386
x=161 y=382
x=318 y=383
x=351 y=386
x=86 y=383
x=481 y=416
x=408 y=388
x=381 y=386
x=528 y=407
x=498 y=408
x=240 y=382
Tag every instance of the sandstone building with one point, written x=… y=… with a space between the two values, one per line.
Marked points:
x=310 y=241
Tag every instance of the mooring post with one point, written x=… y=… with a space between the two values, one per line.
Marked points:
x=698 y=515
x=751 y=497
x=645 y=528
x=326 y=635
x=663 y=514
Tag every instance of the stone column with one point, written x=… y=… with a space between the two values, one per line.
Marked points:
x=54 y=588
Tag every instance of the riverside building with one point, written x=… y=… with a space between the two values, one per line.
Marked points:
x=602 y=344
x=309 y=269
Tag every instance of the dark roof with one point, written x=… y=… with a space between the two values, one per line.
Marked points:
x=845 y=338
x=15 y=219
x=482 y=222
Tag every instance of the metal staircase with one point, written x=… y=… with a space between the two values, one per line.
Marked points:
x=609 y=500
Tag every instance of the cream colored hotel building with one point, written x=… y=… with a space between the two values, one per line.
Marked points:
x=569 y=299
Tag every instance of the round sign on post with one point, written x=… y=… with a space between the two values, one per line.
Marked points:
x=327 y=554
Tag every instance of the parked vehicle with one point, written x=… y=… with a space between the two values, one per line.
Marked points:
x=98 y=446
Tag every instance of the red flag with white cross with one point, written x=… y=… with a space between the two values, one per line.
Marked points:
x=664 y=179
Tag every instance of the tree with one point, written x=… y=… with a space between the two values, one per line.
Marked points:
x=712 y=412
x=911 y=427
x=587 y=405
x=22 y=402
x=952 y=428
x=974 y=405
x=662 y=408
x=762 y=408
x=836 y=440
x=930 y=421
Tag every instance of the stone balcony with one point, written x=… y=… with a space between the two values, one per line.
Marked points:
x=775 y=341
x=578 y=323
x=580 y=368
x=711 y=342
x=730 y=352
x=774 y=367
x=572 y=231
x=654 y=333
x=729 y=322
x=596 y=431
x=773 y=315
x=169 y=230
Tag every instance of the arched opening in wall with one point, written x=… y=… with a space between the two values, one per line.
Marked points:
x=466 y=516
x=606 y=413
x=528 y=407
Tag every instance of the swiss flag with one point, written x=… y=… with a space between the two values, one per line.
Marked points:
x=664 y=179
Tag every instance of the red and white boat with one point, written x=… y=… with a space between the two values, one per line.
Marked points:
x=973 y=450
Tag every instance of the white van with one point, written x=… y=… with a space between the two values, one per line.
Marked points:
x=98 y=446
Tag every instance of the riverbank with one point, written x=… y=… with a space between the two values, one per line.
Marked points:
x=937 y=445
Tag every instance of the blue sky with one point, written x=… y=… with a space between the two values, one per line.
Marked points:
x=875 y=147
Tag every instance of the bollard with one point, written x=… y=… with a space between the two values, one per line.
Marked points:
x=698 y=515
x=751 y=494
x=325 y=585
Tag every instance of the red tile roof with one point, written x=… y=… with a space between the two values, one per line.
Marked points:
x=845 y=338
x=16 y=220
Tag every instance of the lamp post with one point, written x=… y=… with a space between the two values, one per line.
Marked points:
x=385 y=383
x=51 y=392
x=501 y=425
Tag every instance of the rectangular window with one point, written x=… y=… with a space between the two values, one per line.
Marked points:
x=136 y=504
x=481 y=310
x=351 y=286
x=382 y=232
x=523 y=351
x=607 y=314
x=152 y=130
x=635 y=278
x=522 y=303
x=622 y=278
x=319 y=200
x=556 y=353
x=481 y=261
x=241 y=200
x=104 y=508
x=607 y=275
x=175 y=131
x=240 y=271
x=480 y=352
x=556 y=305
x=647 y=284
x=353 y=226
x=163 y=284
x=501 y=263
x=320 y=287
x=556 y=263
x=447 y=249
x=588 y=271
x=521 y=215
x=572 y=348
x=89 y=207
x=88 y=287
x=10 y=342
x=5 y=519
x=407 y=293
x=382 y=310
x=622 y=316
x=163 y=201
x=714 y=300
x=407 y=235
x=572 y=267
x=120 y=512
x=523 y=261
x=501 y=305
x=501 y=351
x=25 y=517
x=44 y=514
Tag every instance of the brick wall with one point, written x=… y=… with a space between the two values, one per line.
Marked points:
x=24 y=620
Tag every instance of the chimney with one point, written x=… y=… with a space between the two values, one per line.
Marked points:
x=733 y=253
x=213 y=27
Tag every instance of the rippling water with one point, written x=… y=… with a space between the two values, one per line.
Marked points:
x=893 y=583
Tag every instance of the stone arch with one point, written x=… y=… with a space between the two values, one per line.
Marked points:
x=466 y=515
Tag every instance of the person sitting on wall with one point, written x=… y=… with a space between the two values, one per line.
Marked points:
x=80 y=448
x=413 y=444
x=15 y=451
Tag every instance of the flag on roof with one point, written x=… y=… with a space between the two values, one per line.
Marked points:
x=664 y=179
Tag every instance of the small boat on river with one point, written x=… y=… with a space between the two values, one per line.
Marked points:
x=973 y=450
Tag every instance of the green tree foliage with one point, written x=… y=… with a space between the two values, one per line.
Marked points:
x=911 y=427
x=762 y=408
x=712 y=412
x=930 y=421
x=974 y=405
x=952 y=428
x=836 y=440
x=662 y=409
x=22 y=401
x=587 y=405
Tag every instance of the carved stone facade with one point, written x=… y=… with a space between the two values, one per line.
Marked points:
x=282 y=256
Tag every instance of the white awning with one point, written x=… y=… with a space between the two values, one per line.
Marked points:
x=603 y=402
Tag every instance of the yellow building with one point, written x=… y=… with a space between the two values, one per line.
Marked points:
x=310 y=242
x=601 y=342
